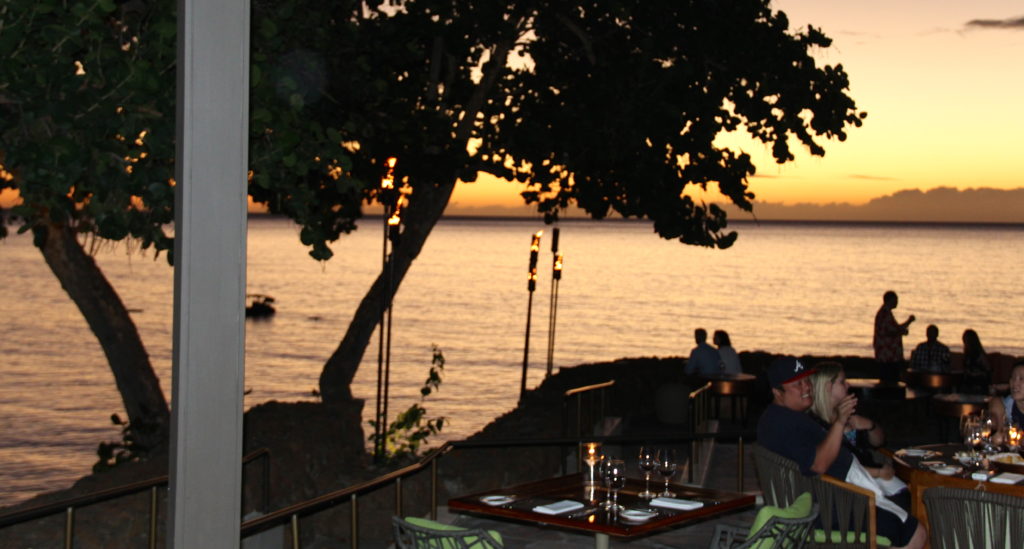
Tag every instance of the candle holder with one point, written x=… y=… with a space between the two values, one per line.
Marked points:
x=590 y=452
x=1013 y=438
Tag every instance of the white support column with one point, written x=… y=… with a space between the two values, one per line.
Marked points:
x=209 y=273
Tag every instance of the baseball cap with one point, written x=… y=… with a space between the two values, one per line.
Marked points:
x=786 y=369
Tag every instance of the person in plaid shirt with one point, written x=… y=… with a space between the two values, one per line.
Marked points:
x=931 y=355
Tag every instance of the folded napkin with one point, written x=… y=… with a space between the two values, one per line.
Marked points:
x=1007 y=478
x=558 y=507
x=674 y=503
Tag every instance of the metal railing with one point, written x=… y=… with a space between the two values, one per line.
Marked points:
x=292 y=514
x=68 y=506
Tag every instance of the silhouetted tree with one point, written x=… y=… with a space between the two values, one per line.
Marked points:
x=614 y=106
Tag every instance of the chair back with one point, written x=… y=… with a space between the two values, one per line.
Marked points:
x=846 y=512
x=413 y=536
x=780 y=477
x=971 y=519
x=783 y=533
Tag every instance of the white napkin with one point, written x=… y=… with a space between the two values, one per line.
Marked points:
x=558 y=507
x=1007 y=478
x=674 y=503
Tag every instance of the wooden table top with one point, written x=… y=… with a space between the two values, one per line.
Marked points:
x=731 y=384
x=593 y=519
x=919 y=476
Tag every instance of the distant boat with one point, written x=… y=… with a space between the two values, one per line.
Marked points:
x=259 y=306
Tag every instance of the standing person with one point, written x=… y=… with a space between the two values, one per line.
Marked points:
x=730 y=360
x=704 y=359
x=931 y=355
x=888 y=340
x=977 y=371
x=787 y=429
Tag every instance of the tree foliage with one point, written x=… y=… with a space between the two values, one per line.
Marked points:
x=87 y=96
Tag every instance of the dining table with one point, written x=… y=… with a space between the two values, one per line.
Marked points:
x=539 y=502
x=954 y=465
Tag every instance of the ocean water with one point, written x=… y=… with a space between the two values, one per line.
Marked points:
x=783 y=287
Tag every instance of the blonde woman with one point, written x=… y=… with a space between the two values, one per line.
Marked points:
x=861 y=434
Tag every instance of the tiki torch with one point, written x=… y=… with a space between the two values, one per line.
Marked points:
x=531 y=286
x=391 y=219
x=556 y=277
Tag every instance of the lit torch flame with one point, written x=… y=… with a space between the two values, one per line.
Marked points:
x=388 y=181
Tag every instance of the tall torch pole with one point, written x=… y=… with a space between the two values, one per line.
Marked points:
x=387 y=188
x=531 y=286
x=557 y=267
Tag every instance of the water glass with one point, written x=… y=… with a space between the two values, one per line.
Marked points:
x=605 y=470
x=666 y=463
x=617 y=481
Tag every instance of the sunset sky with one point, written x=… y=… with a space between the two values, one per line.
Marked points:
x=943 y=97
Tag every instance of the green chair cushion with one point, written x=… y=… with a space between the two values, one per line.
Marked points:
x=434 y=525
x=800 y=508
x=819 y=537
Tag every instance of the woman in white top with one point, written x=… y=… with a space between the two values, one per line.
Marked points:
x=730 y=360
x=1008 y=410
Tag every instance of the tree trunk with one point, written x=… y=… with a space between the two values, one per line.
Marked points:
x=425 y=208
x=108 y=318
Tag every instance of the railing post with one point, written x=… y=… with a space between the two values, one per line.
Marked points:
x=398 y=496
x=152 y=517
x=69 y=527
x=354 y=538
x=295 y=531
x=433 y=488
x=739 y=467
x=266 y=482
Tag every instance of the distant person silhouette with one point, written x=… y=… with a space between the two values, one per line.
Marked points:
x=888 y=340
x=704 y=359
x=977 y=371
x=931 y=355
x=730 y=360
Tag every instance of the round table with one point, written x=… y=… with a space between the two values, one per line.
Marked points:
x=735 y=387
x=933 y=380
x=875 y=388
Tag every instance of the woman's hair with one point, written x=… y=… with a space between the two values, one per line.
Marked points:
x=972 y=344
x=821 y=385
x=721 y=338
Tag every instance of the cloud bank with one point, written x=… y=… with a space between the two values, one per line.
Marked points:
x=1012 y=23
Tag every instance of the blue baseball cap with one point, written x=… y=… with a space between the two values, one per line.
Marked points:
x=785 y=370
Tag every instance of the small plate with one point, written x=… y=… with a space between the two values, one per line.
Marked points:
x=917 y=452
x=497 y=500
x=948 y=470
x=637 y=515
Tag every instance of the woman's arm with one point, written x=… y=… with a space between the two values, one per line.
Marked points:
x=874 y=432
x=828 y=449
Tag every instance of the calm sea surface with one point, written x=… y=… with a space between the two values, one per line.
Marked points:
x=795 y=288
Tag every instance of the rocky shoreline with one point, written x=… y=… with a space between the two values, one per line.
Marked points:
x=315 y=449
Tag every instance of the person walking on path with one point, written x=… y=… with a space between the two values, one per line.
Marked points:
x=888 y=340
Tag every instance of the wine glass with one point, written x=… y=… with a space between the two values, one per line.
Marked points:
x=604 y=469
x=987 y=428
x=666 y=463
x=646 y=463
x=617 y=481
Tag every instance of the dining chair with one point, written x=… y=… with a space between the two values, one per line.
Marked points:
x=846 y=513
x=774 y=527
x=965 y=519
x=418 y=533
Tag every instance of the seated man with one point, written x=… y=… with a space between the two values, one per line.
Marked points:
x=931 y=355
x=704 y=359
x=786 y=429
